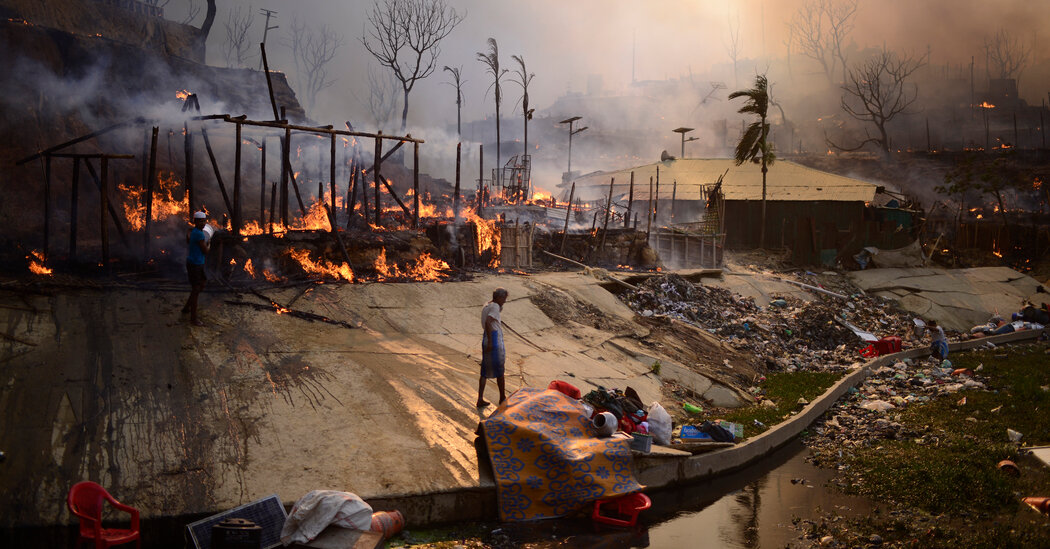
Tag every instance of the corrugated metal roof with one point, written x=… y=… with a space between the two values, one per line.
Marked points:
x=785 y=181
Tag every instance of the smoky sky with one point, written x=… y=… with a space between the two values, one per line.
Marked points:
x=567 y=43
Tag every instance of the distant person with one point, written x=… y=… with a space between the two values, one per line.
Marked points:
x=493 y=355
x=938 y=341
x=198 y=246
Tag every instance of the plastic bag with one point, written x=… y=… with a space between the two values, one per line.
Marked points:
x=659 y=424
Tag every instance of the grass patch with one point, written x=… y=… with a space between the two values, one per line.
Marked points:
x=945 y=461
x=784 y=389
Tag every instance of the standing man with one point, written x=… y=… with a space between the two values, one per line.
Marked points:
x=493 y=355
x=198 y=250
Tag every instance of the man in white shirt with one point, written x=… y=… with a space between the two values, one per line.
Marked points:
x=493 y=354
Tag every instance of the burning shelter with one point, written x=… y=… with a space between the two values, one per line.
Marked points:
x=818 y=215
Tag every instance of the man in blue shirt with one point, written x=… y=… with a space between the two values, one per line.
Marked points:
x=198 y=250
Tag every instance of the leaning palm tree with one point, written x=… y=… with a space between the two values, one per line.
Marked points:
x=754 y=145
x=491 y=60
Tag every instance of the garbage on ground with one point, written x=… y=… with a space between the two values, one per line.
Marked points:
x=1014 y=436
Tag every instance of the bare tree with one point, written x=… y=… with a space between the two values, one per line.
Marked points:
x=457 y=82
x=312 y=50
x=404 y=37
x=193 y=9
x=877 y=91
x=1006 y=54
x=236 y=48
x=819 y=29
x=382 y=96
x=733 y=46
x=524 y=79
x=491 y=60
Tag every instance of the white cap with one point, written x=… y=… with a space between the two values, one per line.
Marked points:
x=200 y=215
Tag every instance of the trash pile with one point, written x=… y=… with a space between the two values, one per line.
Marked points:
x=864 y=415
x=789 y=334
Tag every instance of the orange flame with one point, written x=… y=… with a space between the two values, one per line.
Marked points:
x=252 y=228
x=986 y=105
x=270 y=277
x=36 y=263
x=425 y=268
x=249 y=268
x=324 y=267
x=182 y=94
x=165 y=204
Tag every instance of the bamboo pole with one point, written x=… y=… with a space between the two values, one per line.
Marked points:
x=674 y=193
x=215 y=169
x=47 y=203
x=273 y=204
x=151 y=176
x=331 y=175
x=415 y=184
x=630 y=205
x=187 y=145
x=376 y=176
x=656 y=201
x=73 y=202
x=608 y=214
x=112 y=211
x=568 y=212
x=269 y=82
x=262 y=184
x=455 y=196
x=104 y=202
x=236 y=222
x=481 y=177
x=285 y=159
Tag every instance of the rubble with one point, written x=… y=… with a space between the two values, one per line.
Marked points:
x=790 y=334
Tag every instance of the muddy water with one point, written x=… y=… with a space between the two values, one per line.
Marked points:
x=749 y=509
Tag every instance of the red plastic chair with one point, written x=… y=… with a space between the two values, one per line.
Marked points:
x=86 y=500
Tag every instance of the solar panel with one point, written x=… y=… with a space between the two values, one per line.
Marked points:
x=267 y=513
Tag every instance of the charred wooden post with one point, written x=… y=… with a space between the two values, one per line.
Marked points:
x=188 y=155
x=649 y=211
x=215 y=169
x=362 y=182
x=355 y=174
x=415 y=184
x=285 y=153
x=568 y=212
x=481 y=177
x=630 y=205
x=674 y=193
x=273 y=203
x=594 y=222
x=262 y=183
x=104 y=203
x=236 y=223
x=348 y=209
x=335 y=233
x=47 y=202
x=151 y=176
x=376 y=175
x=117 y=223
x=269 y=81
x=73 y=201
x=331 y=178
x=455 y=196
x=608 y=213
x=320 y=192
x=656 y=200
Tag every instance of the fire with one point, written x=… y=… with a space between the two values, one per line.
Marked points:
x=270 y=277
x=986 y=105
x=1037 y=184
x=252 y=228
x=182 y=94
x=425 y=268
x=36 y=263
x=249 y=268
x=165 y=204
x=489 y=235
x=324 y=267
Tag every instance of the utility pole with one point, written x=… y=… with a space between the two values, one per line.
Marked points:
x=267 y=28
x=684 y=131
x=572 y=132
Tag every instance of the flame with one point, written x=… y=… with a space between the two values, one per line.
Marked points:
x=182 y=95
x=165 y=204
x=996 y=253
x=986 y=105
x=426 y=268
x=270 y=277
x=324 y=267
x=1037 y=184
x=252 y=228
x=249 y=268
x=489 y=235
x=36 y=263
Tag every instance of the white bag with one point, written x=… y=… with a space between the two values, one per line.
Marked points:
x=659 y=424
x=320 y=508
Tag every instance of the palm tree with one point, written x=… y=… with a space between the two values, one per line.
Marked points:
x=754 y=145
x=491 y=60
x=457 y=81
x=524 y=79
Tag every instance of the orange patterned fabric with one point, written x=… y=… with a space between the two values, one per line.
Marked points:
x=546 y=459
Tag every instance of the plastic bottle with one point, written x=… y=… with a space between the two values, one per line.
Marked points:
x=692 y=409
